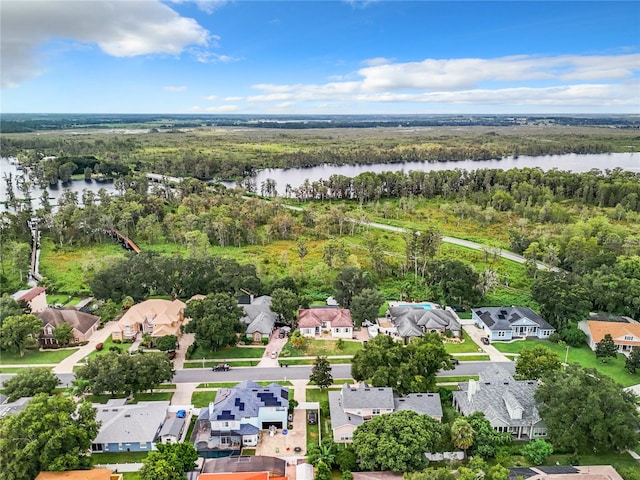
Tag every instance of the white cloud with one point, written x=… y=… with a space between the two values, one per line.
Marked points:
x=223 y=109
x=233 y=99
x=211 y=57
x=372 y=62
x=211 y=98
x=207 y=6
x=176 y=89
x=119 y=28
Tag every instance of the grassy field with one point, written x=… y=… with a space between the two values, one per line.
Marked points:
x=35 y=357
x=228 y=352
x=584 y=356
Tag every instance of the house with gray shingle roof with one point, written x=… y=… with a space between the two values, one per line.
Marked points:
x=236 y=416
x=507 y=323
x=508 y=404
x=352 y=405
x=412 y=321
x=259 y=318
x=128 y=428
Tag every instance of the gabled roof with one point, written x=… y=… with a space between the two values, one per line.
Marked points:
x=413 y=321
x=501 y=318
x=172 y=427
x=364 y=396
x=93 y=474
x=245 y=400
x=260 y=305
x=161 y=311
x=314 y=317
x=421 y=403
x=617 y=330
x=28 y=295
x=263 y=323
x=130 y=423
x=82 y=322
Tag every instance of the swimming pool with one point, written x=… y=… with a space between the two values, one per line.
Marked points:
x=424 y=305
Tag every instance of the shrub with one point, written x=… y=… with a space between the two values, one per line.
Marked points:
x=99 y=346
x=537 y=451
x=117 y=341
x=555 y=337
x=574 y=336
x=265 y=341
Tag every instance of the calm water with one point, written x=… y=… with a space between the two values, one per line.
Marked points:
x=296 y=176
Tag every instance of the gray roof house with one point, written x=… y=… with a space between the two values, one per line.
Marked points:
x=508 y=404
x=259 y=318
x=171 y=431
x=353 y=405
x=414 y=321
x=238 y=414
x=507 y=323
x=128 y=428
x=11 y=408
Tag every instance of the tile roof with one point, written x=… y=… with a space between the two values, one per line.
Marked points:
x=501 y=318
x=163 y=312
x=28 y=295
x=93 y=474
x=83 y=322
x=314 y=317
x=617 y=330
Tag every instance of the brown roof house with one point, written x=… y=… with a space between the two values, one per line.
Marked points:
x=84 y=324
x=156 y=317
x=313 y=321
x=35 y=297
x=94 y=474
x=625 y=335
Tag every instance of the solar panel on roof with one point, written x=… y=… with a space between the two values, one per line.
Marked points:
x=523 y=472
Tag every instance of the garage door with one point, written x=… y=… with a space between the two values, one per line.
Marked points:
x=266 y=425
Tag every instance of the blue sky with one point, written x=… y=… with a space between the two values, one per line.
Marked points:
x=306 y=57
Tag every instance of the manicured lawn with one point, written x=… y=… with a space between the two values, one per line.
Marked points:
x=474 y=358
x=311 y=361
x=16 y=369
x=108 y=343
x=461 y=378
x=590 y=458
x=131 y=475
x=228 y=352
x=202 y=399
x=117 y=457
x=466 y=346
x=315 y=348
x=152 y=397
x=217 y=385
x=208 y=364
x=32 y=357
x=614 y=368
x=103 y=398
x=167 y=386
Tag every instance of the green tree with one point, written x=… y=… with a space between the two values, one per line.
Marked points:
x=405 y=368
x=323 y=472
x=573 y=336
x=215 y=320
x=561 y=300
x=285 y=303
x=462 y=434
x=485 y=438
x=29 y=382
x=346 y=459
x=365 y=305
x=453 y=281
x=633 y=360
x=167 y=342
x=537 y=451
x=534 y=363
x=431 y=474
x=497 y=472
x=157 y=467
x=606 y=348
x=351 y=281
x=51 y=433
x=63 y=333
x=321 y=373
x=19 y=332
x=396 y=441
x=10 y=308
x=585 y=410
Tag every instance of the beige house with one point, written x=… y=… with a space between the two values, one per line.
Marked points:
x=156 y=317
x=84 y=324
x=625 y=335
x=35 y=297
x=337 y=321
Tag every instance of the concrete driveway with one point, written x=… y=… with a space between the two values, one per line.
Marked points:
x=476 y=333
x=66 y=365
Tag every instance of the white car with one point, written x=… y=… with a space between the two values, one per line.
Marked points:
x=274 y=354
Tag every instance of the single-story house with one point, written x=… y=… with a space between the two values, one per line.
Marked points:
x=157 y=317
x=35 y=297
x=172 y=430
x=84 y=324
x=128 y=428
x=93 y=474
x=259 y=318
x=353 y=405
x=313 y=321
x=508 y=404
x=274 y=466
x=563 y=472
x=415 y=320
x=507 y=323
x=625 y=335
x=236 y=416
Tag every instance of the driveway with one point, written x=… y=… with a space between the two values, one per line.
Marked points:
x=66 y=365
x=476 y=333
x=275 y=345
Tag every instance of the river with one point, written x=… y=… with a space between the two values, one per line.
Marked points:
x=296 y=176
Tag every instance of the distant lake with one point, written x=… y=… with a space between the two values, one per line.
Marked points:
x=572 y=162
x=296 y=176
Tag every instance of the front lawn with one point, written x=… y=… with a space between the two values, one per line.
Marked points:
x=152 y=397
x=311 y=361
x=314 y=348
x=466 y=346
x=228 y=352
x=203 y=399
x=117 y=457
x=106 y=345
x=583 y=356
x=209 y=364
x=35 y=357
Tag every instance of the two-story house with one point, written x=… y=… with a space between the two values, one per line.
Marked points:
x=335 y=320
x=259 y=318
x=625 y=335
x=508 y=404
x=352 y=405
x=83 y=324
x=35 y=298
x=157 y=317
x=507 y=323
x=236 y=416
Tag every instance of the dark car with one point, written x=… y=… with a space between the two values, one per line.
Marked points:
x=312 y=417
x=454 y=361
x=485 y=340
x=221 y=367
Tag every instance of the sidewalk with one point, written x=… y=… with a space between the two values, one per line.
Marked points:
x=66 y=365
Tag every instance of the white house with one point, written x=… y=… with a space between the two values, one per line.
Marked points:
x=507 y=323
x=313 y=321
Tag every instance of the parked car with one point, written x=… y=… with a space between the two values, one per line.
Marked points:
x=312 y=417
x=221 y=367
x=274 y=354
x=454 y=361
x=281 y=334
x=171 y=354
x=485 y=340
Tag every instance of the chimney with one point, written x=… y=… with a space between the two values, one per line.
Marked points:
x=472 y=389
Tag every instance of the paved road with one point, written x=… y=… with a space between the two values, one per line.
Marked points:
x=238 y=374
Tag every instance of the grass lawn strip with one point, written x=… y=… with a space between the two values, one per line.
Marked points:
x=474 y=358
x=583 y=356
x=467 y=346
x=316 y=348
x=228 y=353
x=458 y=379
x=207 y=364
x=117 y=457
x=203 y=399
x=36 y=357
x=19 y=369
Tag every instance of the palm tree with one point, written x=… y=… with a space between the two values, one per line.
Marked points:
x=462 y=434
